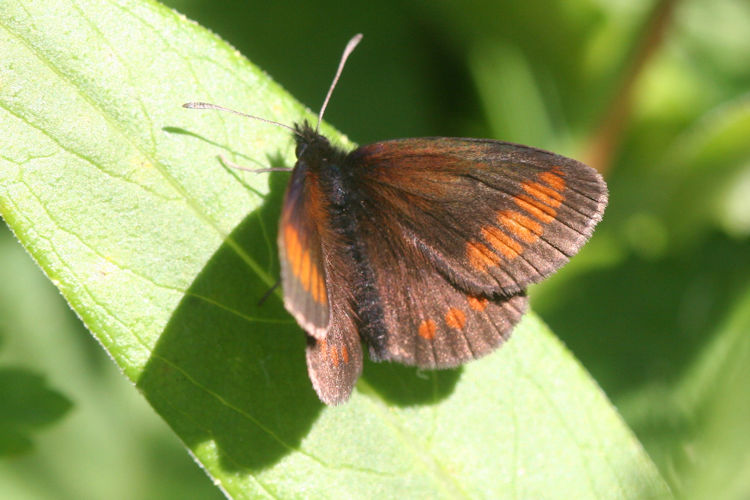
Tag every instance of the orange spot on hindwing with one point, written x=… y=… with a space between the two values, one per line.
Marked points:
x=455 y=318
x=334 y=354
x=427 y=329
x=344 y=354
x=323 y=347
x=477 y=303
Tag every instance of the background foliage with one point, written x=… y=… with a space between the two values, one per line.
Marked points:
x=657 y=307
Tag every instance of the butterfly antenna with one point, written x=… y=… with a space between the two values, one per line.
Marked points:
x=208 y=105
x=347 y=51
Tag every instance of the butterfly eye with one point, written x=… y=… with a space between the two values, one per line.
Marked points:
x=300 y=149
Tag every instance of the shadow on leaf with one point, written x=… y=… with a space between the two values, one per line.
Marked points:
x=407 y=385
x=230 y=370
x=227 y=369
x=224 y=147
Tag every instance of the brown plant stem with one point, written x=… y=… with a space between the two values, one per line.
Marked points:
x=608 y=135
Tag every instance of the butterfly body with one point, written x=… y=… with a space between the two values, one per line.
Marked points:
x=422 y=249
x=323 y=173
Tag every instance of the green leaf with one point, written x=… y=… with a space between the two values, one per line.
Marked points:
x=116 y=191
x=714 y=391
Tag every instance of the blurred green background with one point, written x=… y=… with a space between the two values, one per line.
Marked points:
x=655 y=94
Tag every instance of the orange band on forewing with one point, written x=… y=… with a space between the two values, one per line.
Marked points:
x=543 y=193
x=314 y=289
x=322 y=293
x=303 y=267
x=304 y=272
x=293 y=248
x=501 y=242
x=521 y=226
x=534 y=207
x=557 y=183
x=480 y=257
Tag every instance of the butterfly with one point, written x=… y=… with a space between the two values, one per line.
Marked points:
x=421 y=249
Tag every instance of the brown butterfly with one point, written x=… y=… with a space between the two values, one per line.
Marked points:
x=421 y=248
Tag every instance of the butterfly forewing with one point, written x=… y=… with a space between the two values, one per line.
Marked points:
x=302 y=271
x=492 y=217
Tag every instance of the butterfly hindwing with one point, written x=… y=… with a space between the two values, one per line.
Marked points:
x=493 y=217
x=432 y=323
x=335 y=362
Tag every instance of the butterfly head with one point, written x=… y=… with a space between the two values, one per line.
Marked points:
x=308 y=140
x=314 y=150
